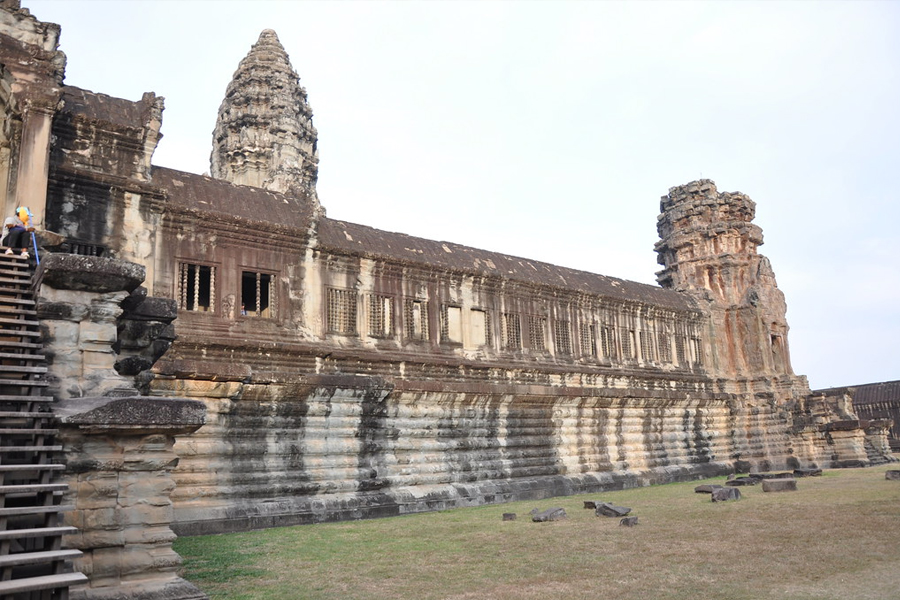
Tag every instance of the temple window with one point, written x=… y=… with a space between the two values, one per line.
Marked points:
x=608 y=342
x=664 y=343
x=627 y=340
x=257 y=294
x=197 y=287
x=512 y=331
x=451 y=324
x=480 y=327
x=680 y=354
x=415 y=319
x=587 y=335
x=341 y=311
x=697 y=348
x=537 y=337
x=647 y=350
x=563 y=337
x=381 y=311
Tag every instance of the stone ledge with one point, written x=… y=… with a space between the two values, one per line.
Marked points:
x=146 y=413
x=89 y=273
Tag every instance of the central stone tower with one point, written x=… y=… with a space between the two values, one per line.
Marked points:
x=264 y=136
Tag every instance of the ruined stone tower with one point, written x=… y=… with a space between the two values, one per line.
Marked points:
x=264 y=136
x=708 y=246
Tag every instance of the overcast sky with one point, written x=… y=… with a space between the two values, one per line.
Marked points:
x=550 y=129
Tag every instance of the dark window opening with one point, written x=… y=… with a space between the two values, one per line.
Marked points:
x=197 y=287
x=256 y=294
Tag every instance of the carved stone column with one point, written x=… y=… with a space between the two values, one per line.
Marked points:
x=119 y=459
x=118 y=445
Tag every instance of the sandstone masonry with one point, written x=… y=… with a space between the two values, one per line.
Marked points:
x=348 y=372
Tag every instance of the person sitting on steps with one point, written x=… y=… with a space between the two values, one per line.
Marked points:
x=18 y=228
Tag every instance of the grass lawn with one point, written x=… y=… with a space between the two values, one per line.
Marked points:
x=837 y=537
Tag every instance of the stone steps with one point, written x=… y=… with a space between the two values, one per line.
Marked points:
x=28 y=468
x=11 y=414
x=24 y=382
x=8 y=449
x=24 y=345
x=34 y=510
x=35 y=558
x=32 y=563
x=44 y=582
x=22 y=332
x=18 y=301
x=21 y=369
x=18 y=399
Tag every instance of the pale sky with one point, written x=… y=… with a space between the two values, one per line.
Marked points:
x=550 y=129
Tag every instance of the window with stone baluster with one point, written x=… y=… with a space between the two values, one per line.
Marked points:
x=196 y=287
x=340 y=311
x=257 y=294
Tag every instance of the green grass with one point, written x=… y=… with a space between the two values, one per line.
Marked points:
x=837 y=537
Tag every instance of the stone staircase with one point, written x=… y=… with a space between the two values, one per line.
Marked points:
x=33 y=565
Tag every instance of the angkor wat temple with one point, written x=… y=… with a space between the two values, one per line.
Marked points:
x=348 y=372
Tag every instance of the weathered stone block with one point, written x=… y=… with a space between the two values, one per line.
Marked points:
x=629 y=522
x=780 y=485
x=102 y=538
x=725 y=494
x=97 y=519
x=95 y=491
x=103 y=334
x=106 y=563
x=551 y=514
x=605 y=509
x=62 y=334
x=62 y=311
x=742 y=481
x=807 y=472
x=509 y=516
x=893 y=475
x=706 y=488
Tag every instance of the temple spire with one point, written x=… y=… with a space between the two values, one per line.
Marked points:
x=264 y=136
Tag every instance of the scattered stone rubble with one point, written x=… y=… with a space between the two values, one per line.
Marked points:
x=724 y=494
x=551 y=514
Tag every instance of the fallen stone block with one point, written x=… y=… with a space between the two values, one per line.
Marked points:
x=592 y=504
x=629 y=522
x=780 y=485
x=706 y=488
x=742 y=481
x=763 y=476
x=894 y=475
x=551 y=514
x=605 y=509
x=509 y=516
x=807 y=472
x=724 y=494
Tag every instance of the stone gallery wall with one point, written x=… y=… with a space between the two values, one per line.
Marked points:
x=350 y=372
x=349 y=447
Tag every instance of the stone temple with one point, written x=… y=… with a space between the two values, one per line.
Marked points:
x=347 y=372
